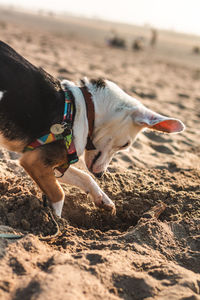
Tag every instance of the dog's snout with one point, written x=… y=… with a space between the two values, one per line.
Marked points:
x=98 y=175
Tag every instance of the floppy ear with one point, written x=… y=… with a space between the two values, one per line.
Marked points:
x=148 y=118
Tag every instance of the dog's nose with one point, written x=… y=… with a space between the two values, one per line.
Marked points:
x=98 y=175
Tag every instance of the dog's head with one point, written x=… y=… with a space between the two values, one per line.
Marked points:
x=118 y=120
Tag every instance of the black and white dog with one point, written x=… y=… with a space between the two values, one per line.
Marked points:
x=32 y=101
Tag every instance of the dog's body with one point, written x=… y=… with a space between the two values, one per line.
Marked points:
x=31 y=101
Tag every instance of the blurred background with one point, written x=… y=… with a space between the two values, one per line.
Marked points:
x=150 y=48
x=123 y=24
x=178 y=15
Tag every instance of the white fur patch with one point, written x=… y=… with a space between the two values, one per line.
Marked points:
x=57 y=206
x=1 y=95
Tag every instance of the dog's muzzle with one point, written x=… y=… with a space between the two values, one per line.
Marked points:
x=98 y=175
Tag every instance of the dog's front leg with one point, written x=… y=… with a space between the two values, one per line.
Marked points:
x=43 y=175
x=85 y=182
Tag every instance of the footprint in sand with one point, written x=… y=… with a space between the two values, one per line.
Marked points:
x=126 y=158
x=183 y=95
x=144 y=92
x=95 y=258
x=157 y=137
x=162 y=149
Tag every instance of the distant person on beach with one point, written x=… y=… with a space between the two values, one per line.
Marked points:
x=154 y=37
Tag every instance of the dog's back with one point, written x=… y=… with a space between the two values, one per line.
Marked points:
x=32 y=99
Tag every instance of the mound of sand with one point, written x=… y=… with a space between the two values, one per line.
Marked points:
x=135 y=254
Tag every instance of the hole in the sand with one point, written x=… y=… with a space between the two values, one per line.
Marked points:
x=80 y=212
x=134 y=194
x=21 y=207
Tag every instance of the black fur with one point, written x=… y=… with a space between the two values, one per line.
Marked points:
x=99 y=83
x=33 y=99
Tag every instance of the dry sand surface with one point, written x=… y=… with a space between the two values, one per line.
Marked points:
x=133 y=255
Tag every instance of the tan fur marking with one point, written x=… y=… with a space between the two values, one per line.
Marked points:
x=16 y=145
x=43 y=175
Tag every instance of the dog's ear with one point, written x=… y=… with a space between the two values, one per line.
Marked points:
x=148 y=118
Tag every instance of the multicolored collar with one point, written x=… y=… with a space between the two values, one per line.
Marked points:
x=62 y=131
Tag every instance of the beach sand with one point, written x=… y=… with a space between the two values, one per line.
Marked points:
x=135 y=254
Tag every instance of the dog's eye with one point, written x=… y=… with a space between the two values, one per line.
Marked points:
x=125 y=145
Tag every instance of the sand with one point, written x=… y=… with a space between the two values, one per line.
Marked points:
x=135 y=254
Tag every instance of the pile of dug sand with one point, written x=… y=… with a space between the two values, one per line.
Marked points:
x=135 y=254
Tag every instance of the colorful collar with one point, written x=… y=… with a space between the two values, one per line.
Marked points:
x=62 y=131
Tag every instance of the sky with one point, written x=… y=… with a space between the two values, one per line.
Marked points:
x=178 y=15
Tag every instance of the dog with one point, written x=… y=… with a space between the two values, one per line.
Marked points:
x=32 y=104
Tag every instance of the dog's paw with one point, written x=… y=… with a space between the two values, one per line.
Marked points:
x=101 y=200
x=109 y=208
